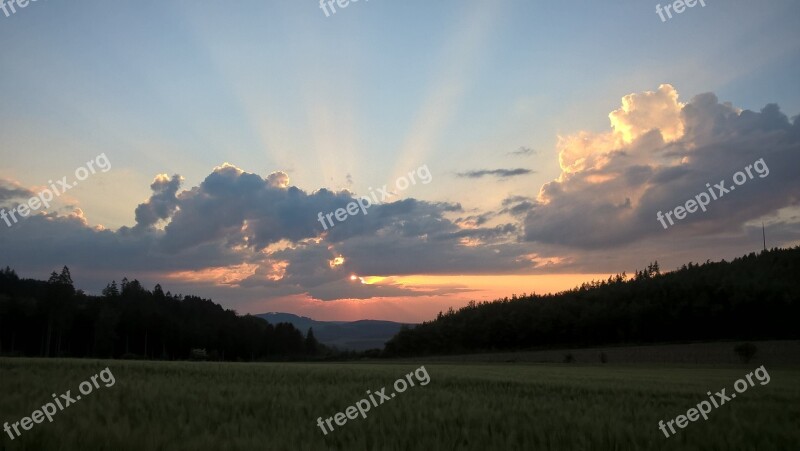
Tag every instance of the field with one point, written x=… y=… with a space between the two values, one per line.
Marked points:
x=478 y=406
x=770 y=353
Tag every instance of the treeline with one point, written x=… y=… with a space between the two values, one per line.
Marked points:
x=750 y=298
x=53 y=319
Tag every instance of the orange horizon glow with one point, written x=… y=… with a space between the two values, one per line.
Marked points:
x=416 y=309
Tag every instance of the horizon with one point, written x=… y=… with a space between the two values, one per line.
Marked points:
x=387 y=163
x=628 y=277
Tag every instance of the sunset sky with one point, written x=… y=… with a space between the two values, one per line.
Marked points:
x=553 y=132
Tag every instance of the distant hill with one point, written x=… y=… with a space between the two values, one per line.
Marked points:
x=354 y=335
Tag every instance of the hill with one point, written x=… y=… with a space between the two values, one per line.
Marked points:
x=54 y=319
x=355 y=335
x=755 y=297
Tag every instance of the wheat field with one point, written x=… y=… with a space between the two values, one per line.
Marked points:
x=471 y=406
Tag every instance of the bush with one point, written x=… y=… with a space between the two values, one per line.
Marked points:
x=569 y=358
x=745 y=351
x=198 y=354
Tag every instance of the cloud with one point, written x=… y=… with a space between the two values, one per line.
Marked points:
x=659 y=154
x=658 y=112
x=517 y=206
x=162 y=203
x=652 y=110
x=510 y=200
x=261 y=234
x=475 y=221
x=278 y=179
x=523 y=152
x=238 y=229
x=10 y=191
x=501 y=173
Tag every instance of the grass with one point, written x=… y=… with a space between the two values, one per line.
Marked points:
x=771 y=353
x=480 y=406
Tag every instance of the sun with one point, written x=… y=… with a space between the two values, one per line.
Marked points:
x=354 y=277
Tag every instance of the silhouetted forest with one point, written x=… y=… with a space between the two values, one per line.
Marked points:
x=52 y=318
x=753 y=297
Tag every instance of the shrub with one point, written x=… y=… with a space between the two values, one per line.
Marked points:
x=745 y=351
x=569 y=358
x=198 y=354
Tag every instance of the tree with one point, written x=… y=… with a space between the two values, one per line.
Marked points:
x=111 y=290
x=312 y=345
x=9 y=274
x=65 y=277
x=752 y=297
x=52 y=318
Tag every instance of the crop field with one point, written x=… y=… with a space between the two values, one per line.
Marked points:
x=474 y=406
x=777 y=353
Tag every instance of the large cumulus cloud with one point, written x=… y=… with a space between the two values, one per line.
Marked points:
x=239 y=228
x=660 y=153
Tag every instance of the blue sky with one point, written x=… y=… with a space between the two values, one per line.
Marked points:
x=354 y=100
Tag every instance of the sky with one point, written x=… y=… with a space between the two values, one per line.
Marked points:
x=547 y=142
